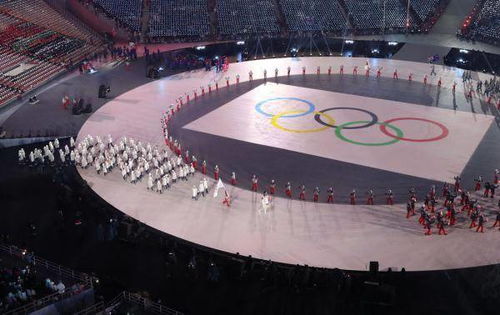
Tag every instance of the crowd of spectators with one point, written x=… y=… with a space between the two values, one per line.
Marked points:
x=127 y=13
x=22 y=285
x=368 y=15
x=311 y=16
x=240 y=17
x=172 y=18
x=485 y=24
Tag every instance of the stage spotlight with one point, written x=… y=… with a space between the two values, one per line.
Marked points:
x=464 y=51
x=392 y=43
x=349 y=41
x=240 y=43
x=200 y=47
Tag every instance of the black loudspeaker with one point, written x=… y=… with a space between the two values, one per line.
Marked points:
x=373 y=266
x=102 y=91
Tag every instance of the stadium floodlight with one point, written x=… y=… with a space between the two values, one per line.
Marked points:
x=464 y=51
x=349 y=41
x=200 y=47
x=240 y=43
x=392 y=43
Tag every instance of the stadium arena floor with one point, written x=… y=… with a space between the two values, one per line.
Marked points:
x=271 y=129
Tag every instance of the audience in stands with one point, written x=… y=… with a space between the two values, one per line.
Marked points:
x=241 y=17
x=486 y=22
x=186 y=18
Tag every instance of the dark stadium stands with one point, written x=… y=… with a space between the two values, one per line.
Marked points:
x=170 y=18
x=484 y=22
x=237 y=17
x=311 y=16
x=128 y=12
x=37 y=44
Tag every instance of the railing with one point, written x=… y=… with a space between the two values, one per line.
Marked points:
x=146 y=304
x=46 y=300
x=85 y=280
x=53 y=267
x=93 y=309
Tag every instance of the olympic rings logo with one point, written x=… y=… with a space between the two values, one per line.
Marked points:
x=327 y=122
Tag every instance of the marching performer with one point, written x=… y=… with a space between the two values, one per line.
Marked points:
x=370 y=197
x=272 y=187
x=440 y=224
x=497 y=220
x=302 y=193
x=204 y=167
x=478 y=181
x=227 y=199
x=194 y=193
x=330 y=195
x=316 y=194
x=255 y=181
x=201 y=188
x=233 y=178
x=480 y=222
x=352 y=197
x=389 y=197
x=458 y=181
x=427 y=225
x=288 y=190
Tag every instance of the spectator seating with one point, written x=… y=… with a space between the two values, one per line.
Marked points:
x=425 y=8
x=128 y=12
x=486 y=26
x=241 y=17
x=32 y=54
x=40 y=13
x=369 y=15
x=170 y=18
x=318 y=15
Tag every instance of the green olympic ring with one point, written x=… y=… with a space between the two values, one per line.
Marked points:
x=338 y=133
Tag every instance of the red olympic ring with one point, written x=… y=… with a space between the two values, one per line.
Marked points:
x=444 y=130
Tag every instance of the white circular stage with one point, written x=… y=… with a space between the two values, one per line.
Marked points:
x=292 y=231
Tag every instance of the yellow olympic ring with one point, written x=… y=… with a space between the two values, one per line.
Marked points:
x=274 y=121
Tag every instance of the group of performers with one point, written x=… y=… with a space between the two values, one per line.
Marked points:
x=456 y=200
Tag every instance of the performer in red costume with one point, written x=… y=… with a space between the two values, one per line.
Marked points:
x=216 y=172
x=316 y=194
x=395 y=74
x=255 y=181
x=370 y=197
x=272 y=187
x=227 y=199
x=352 y=197
x=288 y=190
x=204 y=167
x=302 y=193
x=389 y=197
x=330 y=195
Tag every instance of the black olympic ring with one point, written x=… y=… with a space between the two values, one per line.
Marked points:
x=317 y=117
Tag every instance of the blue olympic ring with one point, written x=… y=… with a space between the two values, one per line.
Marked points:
x=310 y=110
